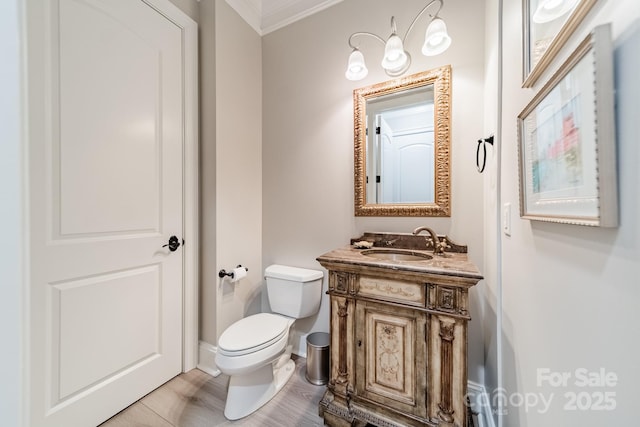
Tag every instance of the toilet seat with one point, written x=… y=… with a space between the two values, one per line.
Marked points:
x=252 y=334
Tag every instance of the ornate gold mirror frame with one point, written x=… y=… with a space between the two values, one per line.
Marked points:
x=440 y=78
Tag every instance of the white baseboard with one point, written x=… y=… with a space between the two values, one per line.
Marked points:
x=207 y=358
x=480 y=404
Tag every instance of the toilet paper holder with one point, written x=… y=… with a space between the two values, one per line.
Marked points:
x=222 y=273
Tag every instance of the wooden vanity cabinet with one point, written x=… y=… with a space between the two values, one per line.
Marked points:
x=398 y=347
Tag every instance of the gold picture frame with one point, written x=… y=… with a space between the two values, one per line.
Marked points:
x=440 y=78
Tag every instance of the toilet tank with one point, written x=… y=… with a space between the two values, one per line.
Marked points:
x=292 y=291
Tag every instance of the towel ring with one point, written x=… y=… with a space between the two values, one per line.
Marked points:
x=483 y=143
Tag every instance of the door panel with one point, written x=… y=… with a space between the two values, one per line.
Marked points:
x=92 y=317
x=113 y=89
x=115 y=125
x=105 y=193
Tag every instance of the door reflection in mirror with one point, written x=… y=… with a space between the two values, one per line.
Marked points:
x=400 y=151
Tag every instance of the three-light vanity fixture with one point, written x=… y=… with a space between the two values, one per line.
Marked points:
x=396 y=60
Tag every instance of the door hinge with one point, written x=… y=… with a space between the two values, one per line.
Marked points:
x=377 y=130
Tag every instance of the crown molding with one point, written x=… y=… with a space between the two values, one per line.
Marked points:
x=268 y=16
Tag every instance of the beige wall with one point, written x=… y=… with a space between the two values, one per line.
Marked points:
x=489 y=296
x=308 y=136
x=570 y=293
x=238 y=163
x=208 y=201
x=190 y=7
x=231 y=165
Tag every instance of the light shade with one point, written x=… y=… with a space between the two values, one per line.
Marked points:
x=549 y=10
x=356 y=68
x=436 y=38
x=394 y=55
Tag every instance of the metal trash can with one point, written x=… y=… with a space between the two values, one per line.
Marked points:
x=318 y=358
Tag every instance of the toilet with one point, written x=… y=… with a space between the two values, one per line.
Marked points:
x=255 y=351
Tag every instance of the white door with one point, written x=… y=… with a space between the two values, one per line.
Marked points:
x=408 y=166
x=106 y=146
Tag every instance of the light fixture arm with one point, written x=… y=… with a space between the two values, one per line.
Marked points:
x=393 y=25
x=424 y=9
x=364 y=33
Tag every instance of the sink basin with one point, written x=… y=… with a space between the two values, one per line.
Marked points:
x=396 y=255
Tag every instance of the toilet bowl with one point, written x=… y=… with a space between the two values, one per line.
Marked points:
x=253 y=341
x=255 y=351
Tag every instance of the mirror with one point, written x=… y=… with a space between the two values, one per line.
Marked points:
x=402 y=146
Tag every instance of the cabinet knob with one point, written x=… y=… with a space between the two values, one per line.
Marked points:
x=359 y=343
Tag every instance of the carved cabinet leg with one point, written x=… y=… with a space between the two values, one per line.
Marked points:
x=341 y=377
x=448 y=339
x=342 y=342
x=446 y=359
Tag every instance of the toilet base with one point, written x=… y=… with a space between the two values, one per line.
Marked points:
x=247 y=393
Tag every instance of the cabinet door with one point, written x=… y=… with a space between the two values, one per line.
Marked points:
x=391 y=356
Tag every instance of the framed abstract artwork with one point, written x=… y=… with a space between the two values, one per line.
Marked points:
x=547 y=25
x=567 y=150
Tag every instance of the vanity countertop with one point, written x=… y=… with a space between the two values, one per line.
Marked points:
x=451 y=264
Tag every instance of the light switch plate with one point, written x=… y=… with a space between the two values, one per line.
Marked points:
x=506 y=219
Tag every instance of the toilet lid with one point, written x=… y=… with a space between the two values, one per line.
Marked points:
x=253 y=333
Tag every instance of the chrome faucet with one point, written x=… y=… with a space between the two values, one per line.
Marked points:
x=438 y=246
